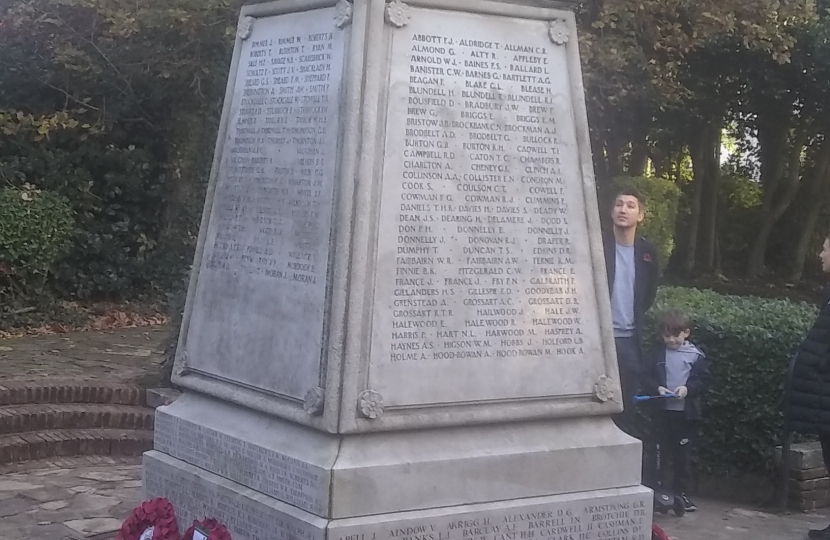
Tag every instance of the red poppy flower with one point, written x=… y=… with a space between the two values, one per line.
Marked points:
x=647 y=257
x=156 y=513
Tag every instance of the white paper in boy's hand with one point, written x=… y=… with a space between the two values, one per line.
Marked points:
x=199 y=535
x=147 y=534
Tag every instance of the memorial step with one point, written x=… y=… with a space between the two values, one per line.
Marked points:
x=69 y=391
x=73 y=442
x=40 y=416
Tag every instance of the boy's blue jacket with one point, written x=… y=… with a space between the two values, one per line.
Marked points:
x=655 y=376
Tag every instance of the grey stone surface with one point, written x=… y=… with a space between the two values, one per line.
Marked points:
x=256 y=315
x=401 y=251
x=483 y=280
x=621 y=514
x=248 y=514
x=156 y=397
x=485 y=284
x=353 y=475
x=283 y=460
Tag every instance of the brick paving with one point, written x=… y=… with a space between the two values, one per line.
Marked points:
x=68 y=394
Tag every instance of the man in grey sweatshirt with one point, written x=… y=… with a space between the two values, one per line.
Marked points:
x=681 y=369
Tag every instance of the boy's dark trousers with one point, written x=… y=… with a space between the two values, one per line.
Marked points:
x=675 y=434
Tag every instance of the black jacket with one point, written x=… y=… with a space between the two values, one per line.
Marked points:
x=646 y=275
x=810 y=400
x=696 y=384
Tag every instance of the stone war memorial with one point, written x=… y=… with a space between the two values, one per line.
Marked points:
x=398 y=326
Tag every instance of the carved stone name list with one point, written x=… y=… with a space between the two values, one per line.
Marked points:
x=484 y=206
x=288 y=479
x=266 y=251
x=196 y=494
x=621 y=517
x=271 y=208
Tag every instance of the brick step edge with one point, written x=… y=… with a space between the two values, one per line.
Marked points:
x=74 y=442
x=68 y=391
x=43 y=416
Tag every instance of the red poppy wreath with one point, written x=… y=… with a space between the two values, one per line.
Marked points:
x=211 y=529
x=153 y=520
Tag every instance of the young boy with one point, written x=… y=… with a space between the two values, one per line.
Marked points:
x=677 y=368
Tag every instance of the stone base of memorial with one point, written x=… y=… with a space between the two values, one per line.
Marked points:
x=398 y=324
x=257 y=473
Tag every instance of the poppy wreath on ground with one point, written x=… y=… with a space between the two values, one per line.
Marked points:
x=155 y=513
x=212 y=528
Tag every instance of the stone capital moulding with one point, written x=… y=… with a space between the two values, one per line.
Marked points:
x=343 y=15
x=603 y=389
x=370 y=403
x=558 y=31
x=397 y=13
x=314 y=400
x=246 y=28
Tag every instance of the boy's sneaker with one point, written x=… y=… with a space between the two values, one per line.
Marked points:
x=689 y=505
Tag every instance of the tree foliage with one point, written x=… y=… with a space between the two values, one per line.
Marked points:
x=113 y=105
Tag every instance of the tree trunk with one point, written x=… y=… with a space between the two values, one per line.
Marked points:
x=695 y=200
x=707 y=236
x=817 y=188
x=638 y=161
x=705 y=152
x=780 y=178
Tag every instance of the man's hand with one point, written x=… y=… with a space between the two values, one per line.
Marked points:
x=681 y=391
x=662 y=390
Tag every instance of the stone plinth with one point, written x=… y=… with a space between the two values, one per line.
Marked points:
x=398 y=321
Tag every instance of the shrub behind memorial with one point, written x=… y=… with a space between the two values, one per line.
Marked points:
x=749 y=341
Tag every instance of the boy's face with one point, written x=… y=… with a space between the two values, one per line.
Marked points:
x=825 y=256
x=627 y=212
x=675 y=342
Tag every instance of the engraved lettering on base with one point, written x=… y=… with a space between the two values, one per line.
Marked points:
x=371 y=404
x=397 y=13
x=603 y=389
x=343 y=16
x=313 y=403
x=558 y=31
x=246 y=28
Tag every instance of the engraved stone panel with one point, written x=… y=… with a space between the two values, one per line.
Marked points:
x=257 y=315
x=242 y=454
x=484 y=288
x=618 y=514
x=248 y=515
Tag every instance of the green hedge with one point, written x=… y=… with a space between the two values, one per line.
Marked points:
x=35 y=230
x=749 y=341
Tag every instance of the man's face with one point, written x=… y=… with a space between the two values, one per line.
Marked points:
x=825 y=257
x=627 y=212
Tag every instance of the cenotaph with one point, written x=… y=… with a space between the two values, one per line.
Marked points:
x=398 y=327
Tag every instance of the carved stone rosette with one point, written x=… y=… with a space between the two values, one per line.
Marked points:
x=602 y=390
x=397 y=14
x=558 y=31
x=371 y=404
x=180 y=365
x=343 y=14
x=313 y=402
x=246 y=28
